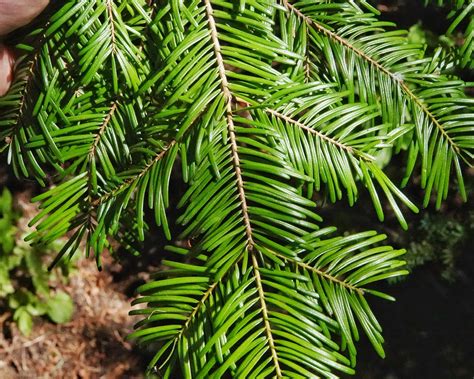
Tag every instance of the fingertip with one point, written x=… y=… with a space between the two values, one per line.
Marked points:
x=7 y=63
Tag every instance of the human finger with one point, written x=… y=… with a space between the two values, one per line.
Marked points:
x=17 y=13
x=7 y=62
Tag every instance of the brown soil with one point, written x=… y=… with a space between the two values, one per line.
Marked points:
x=92 y=345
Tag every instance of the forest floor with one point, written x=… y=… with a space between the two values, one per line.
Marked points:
x=91 y=345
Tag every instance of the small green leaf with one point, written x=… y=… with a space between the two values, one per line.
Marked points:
x=38 y=272
x=60 y=308
x=24 y=320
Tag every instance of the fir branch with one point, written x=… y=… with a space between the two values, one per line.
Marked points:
x=101 y=131
x=396 y=78
x=324 y=137
x=230 y=123
x=110 y=13
x=264 y=310
x=130 y=181
x=321 y=273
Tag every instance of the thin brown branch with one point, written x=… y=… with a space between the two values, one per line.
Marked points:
x=102 y=129
x=230 y=122
x=197 y=308
x=129 y=181
x=189 y=319
x=110 y=13
x=263 y=305
x=322 y=273
x=21 y=105
x=92 y=157
x=324 y=137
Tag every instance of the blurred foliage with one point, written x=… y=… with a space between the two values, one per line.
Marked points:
x=440 y=240
x=419 y=34
x=459 y=36
x=27 y=288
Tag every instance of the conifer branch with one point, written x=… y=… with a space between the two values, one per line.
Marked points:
x=29 y=76
x=323 y=136
x=102 y=129
x=110 y=13
x=321 y=273
x=198 y=307
x=396 y=78
x=230 y=123
x=127 y=183
x=264 y=310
